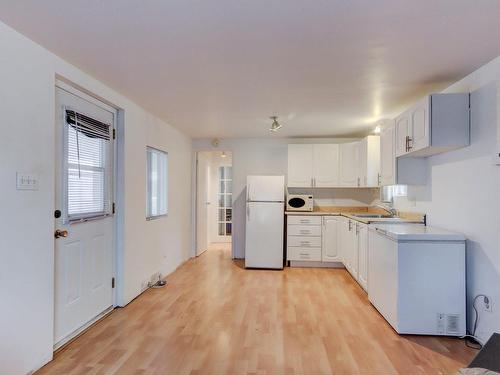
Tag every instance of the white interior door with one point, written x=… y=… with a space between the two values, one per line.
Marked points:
x=202 y=201
x=84 y=192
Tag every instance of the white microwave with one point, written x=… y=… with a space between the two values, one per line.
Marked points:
x=299 y=202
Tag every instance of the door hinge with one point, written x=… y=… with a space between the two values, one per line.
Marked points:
x=112 y=282
x=114 y=133
x=113 y=208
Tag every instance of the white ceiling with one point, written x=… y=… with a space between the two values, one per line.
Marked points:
x=219 y=68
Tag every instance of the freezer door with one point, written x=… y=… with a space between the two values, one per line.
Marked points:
x=264 y=235
x=265 y=188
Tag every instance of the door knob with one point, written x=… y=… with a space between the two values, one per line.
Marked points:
x=60 y=233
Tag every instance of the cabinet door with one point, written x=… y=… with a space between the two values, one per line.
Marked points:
x=326 y=165
x=402 y=132
x=300 y=163
x=349 y=160
x=363 y=162
x=330 y=248
x=354 y=249
x=363 y=256
x=387 y=157
x=343 y=232
x=419 y=134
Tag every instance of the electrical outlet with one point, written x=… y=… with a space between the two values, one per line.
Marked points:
x=487 y=304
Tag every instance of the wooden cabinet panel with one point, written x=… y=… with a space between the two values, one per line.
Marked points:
x=419 y=135
x=300 y=165
x=387 y=156
x=402 y=132
x=326 y=165
x=362 y=243
x=330 y=246
x=349 y=161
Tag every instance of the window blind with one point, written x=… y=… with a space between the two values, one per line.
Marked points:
x=88 y=167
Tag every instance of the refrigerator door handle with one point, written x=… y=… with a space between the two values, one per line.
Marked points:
x=248 y=212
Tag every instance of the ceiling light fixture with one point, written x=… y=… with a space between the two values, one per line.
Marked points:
x=275 y=126
x=376 y=130
x=223 y=155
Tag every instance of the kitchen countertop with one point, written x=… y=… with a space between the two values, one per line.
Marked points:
x=417 y=232
x=350 y=213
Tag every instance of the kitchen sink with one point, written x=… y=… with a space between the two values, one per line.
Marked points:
x=375 y=216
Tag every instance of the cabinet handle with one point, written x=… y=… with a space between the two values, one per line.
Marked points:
x=378 y=179
x=304 y=221
x=304 y=255
x=304 y=231
x=406 y=147
x=312 y=183
x=358 y=181
x=410 y=146
x=350 y=223
x=305 y=243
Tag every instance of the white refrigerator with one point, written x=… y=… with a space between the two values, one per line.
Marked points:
x=264 y=222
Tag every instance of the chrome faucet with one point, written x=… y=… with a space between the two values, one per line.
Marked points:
x=392 y=211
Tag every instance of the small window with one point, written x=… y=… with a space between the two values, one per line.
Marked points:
x=88 y=162
x=157 y=183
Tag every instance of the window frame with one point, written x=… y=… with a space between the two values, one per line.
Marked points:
x=149 y=216
x=108 y=175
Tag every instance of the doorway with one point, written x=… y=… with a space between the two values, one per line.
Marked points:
x=214 y=196
x=84 y=212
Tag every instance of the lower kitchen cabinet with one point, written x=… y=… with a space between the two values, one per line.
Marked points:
x=330 y=241
x=362 y=244
x=304 y=238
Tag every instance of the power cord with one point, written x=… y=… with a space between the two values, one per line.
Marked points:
x=473 y=335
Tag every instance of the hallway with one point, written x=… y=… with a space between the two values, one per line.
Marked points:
x=214 y=317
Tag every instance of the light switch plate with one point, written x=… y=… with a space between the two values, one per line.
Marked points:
x=26 y=181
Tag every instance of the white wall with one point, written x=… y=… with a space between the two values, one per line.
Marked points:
x=463 y=193
x=268 y=156
x=27 y=79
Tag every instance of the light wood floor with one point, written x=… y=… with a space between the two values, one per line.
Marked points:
x=215 y=317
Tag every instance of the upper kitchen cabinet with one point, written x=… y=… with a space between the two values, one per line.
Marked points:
x=436 y=124
x=326 y=165
x=300 y=162
x=349 y=164
x=360 y=162
x=369 y=161
x=387 y=153
x=313 y=165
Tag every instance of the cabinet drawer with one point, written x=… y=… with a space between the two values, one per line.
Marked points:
x=299 y=241
x=304 y=253
x=304 y=220
x=304 y=230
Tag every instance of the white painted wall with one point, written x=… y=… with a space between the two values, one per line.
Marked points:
x=27 y=79
x=268 y=156
x=463 y=193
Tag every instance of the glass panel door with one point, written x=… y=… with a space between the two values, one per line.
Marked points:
x=225 y=201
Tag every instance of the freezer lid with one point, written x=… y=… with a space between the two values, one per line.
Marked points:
x=265 y=188
x=416 y=232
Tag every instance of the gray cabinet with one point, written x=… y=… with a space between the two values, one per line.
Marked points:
x=435 y=124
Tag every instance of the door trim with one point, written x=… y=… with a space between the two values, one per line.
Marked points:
x=68 y=86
